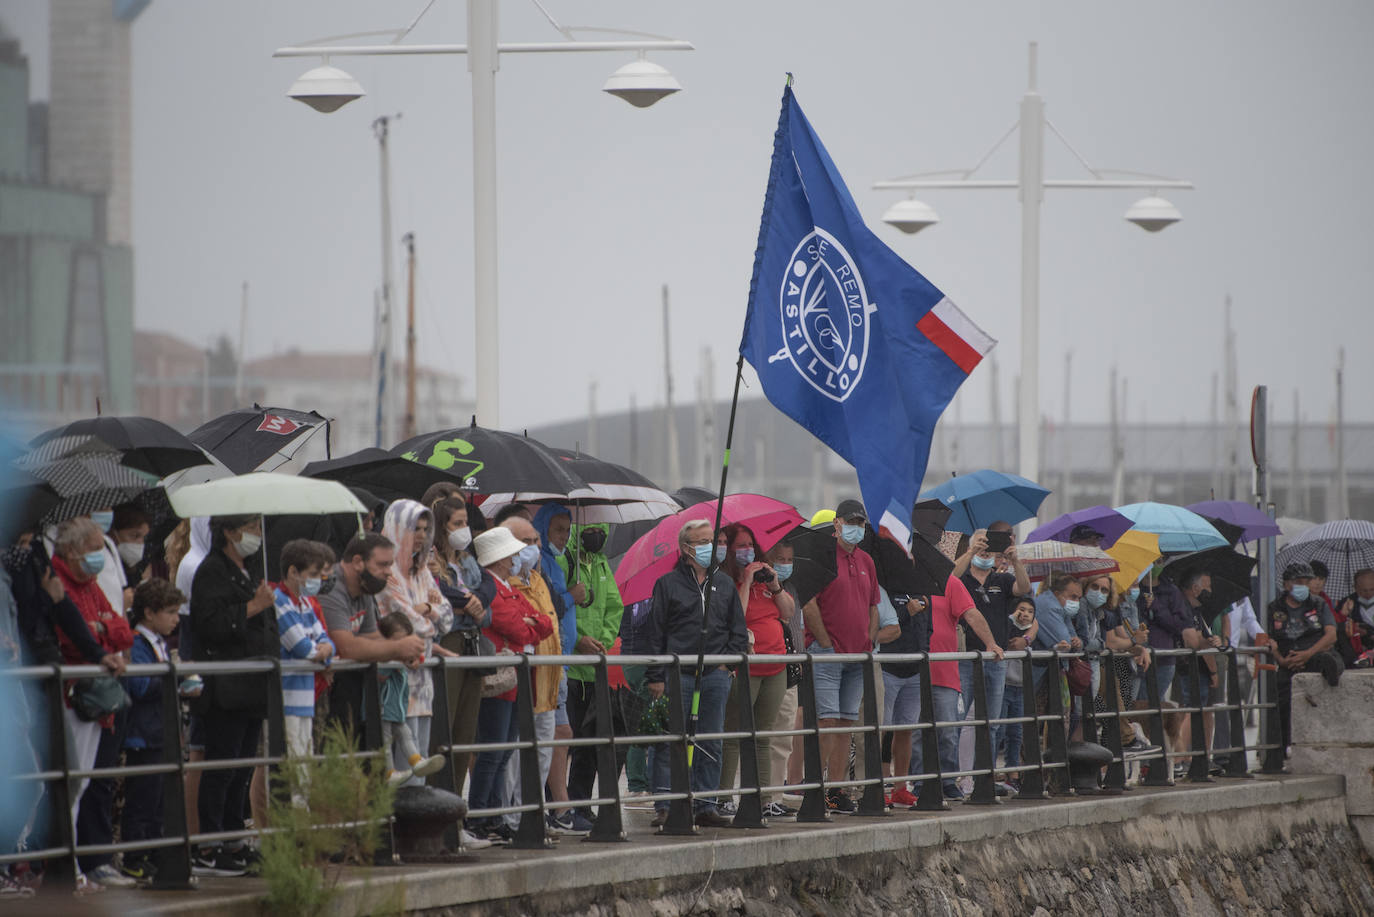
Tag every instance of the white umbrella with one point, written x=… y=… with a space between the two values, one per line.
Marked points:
x=264 y=493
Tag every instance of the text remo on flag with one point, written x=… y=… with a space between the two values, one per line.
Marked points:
x=848 y=339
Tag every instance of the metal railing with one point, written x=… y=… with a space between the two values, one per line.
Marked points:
x=1043 y=768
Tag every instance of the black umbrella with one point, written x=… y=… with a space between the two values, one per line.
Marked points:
x=260 y=439
x=814 y=562
x=923 y=572
x=1230 y=573
x=691 y=495
x=24 y=499
x=1231 y=532
x=386 y=475
x=492 y=461
x=928 y=519
x=143 y=443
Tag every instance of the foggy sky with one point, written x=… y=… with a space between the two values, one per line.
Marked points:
x=1266 y=106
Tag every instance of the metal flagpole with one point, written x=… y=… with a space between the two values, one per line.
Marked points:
x=711 y=570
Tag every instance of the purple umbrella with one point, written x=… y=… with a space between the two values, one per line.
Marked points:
x=1253 y=522
x=1103 y=519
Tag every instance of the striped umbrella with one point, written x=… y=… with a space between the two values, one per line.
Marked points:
x=1346 y=546
x=1044 y=558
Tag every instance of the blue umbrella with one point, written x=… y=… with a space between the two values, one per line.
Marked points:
x=1253 y=522
x=1104 y=520
x=979 y=499
x=1179 y=530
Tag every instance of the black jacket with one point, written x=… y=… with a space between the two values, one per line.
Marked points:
x=675 y=620
x=915 y=638
x=40 y=618
x=222 y=630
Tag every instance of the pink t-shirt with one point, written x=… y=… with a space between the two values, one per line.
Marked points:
x=945 y=612
x=845 y=603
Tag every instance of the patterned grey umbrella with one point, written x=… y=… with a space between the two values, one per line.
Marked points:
x=86 y=477
x=1346 y=546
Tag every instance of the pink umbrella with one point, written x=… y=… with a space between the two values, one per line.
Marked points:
x=655 y=553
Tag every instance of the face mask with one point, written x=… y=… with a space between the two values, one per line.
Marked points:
x=984 y=563
x=1071 y=606
x=1204 y=596
x=1299 y=592
x=719 y=554
x=851 y=534
x=1018 y=625
x=103 y=518
x=744 y=557
x=527 y=559
x=131 y=552
x=370 y=583
x=1095 y=599
x=702 y=554
x=1367 y=603
x=248 y=545
x=785 y=570
x=557 y=551
x=312 y=586
x=93 y=562
x=327 y=585
x=1134 y=593
x=593 y=540
x=460 y=538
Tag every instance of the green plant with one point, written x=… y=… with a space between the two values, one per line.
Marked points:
x=324 y=814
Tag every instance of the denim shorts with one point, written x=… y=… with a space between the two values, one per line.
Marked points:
x=839 y=688
x=560 y=717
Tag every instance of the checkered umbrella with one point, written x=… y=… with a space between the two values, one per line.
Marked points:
x=1346 y=546
x=89 y=481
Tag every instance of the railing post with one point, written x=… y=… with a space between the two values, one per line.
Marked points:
x=749 y=812
x=931 y=796
x=276 y=732
x=813 y=808
x=1032 y=764
x=873 y=801
x=1161 y=769
x=1271 y=724
x=1237 y=760
x=681 y=821
x=607 y=826
x=60 y=791
x=1198 y=765
x=372 y=741
x=441 y=732
x=530 y=834
x=1115 y=779
x=173 y=863
x=1060 y=784
x=1091 y=732
x=984 y=787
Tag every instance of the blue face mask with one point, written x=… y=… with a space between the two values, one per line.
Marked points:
x=702 y=554
x=1095 y=599
x=984 y=563
x=851 y=534
x=93 y=562
x=312 y=586
x=783 y=571
x=1299 y=592
x=1134 y=593
x=557 y=551
x=1071 y=606
x=103 y=518
x=744 y=556
x=719 y=554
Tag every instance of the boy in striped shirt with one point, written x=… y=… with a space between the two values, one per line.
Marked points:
x=305 y=565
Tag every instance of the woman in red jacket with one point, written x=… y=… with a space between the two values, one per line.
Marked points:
x=80 y=555
x=515 y=625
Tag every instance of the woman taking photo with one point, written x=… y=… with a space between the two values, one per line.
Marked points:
x=767 y=608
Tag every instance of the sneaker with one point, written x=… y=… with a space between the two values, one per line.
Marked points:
x=839 y=801
x=140 y=869
x=660 y=818
x=250 y=858
x=710 y=818
x=1004 y=788
x=1138 y=747
x=727 y=808
x=215 y=861
x=777 y=810
x=13 y=888
x=952 y=792
x=396 y=778
x=500 y=833
x=469 y=841
x=581 y=824
x=85 y=885
x=110 y=877
x=427 y=767
x=901 y=796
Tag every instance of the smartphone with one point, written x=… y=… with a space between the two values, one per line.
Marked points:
x=999 y=541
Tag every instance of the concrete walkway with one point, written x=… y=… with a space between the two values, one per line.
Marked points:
x=574 y=864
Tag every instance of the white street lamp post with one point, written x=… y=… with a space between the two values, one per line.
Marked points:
x=1151 y=213
x=640 y=83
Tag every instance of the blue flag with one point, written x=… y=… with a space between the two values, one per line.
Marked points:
x=848 y=339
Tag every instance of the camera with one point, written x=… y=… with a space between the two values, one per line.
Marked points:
x=763 y=576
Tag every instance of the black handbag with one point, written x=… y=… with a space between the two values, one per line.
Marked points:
x=794 y=669
x=476 y=643
x=97 y=697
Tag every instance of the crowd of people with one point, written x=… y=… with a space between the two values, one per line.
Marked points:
x=434 y=578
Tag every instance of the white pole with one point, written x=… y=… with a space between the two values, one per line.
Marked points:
x=1291 y=505
x=1031 y=189
x=995 y=387
x=380 y=128
x=1066 y=495
x=670 y=419
x=1342 y=495
x=483 y=62
x=243 y=342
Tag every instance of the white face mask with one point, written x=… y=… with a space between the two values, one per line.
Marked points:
x=460 y=538
x=248 y=545
x=131 y=552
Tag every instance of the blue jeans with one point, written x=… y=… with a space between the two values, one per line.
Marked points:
x=946 y=708
x=1007 y=738
x=994 y=680
x=1165 y=667
x=715 y=689
x=495 y=723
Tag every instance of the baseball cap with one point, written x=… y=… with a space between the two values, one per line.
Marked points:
x=849 y=509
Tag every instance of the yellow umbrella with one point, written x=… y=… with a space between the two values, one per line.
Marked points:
x=1136 y=552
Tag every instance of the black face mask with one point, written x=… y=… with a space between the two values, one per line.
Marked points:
x=1204 y=596
x=369 y=583
x=593 y=540
x=327 y=585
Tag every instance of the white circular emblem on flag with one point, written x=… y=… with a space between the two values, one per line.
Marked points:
x=825 y=315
